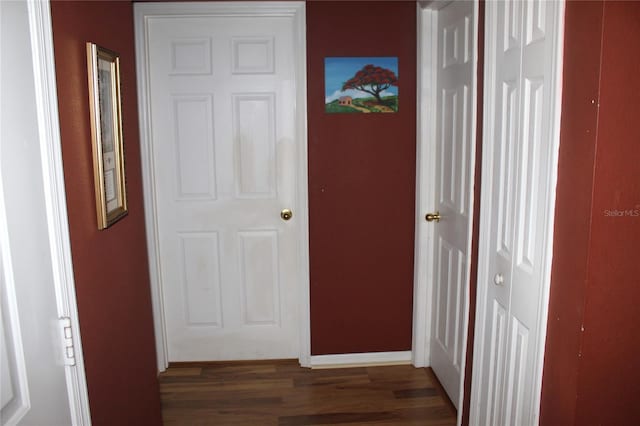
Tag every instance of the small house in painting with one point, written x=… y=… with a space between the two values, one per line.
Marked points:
x=345 y=100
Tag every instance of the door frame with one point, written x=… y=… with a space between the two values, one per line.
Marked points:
x=426 y=174
x=55 y=201
x=551 y=156
x=143 y=13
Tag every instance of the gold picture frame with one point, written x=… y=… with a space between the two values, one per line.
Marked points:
x=106 y=135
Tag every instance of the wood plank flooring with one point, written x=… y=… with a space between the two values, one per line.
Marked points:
x=282 y=393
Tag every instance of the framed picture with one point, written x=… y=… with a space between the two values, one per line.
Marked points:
x=106 y=134
x=361 y=84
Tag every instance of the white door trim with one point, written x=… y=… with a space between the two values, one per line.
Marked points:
x=46 y=94
x=425 y=191
x=295 y=9
x=425 y=172
x=551 y=156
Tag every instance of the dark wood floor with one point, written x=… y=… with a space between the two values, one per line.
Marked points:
x=282 y=393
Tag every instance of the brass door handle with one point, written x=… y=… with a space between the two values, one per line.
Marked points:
x=433 y=217
x=286 y=214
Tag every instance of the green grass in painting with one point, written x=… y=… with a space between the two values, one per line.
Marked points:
x=370 y=104
x=391 y=102
x=334 y=108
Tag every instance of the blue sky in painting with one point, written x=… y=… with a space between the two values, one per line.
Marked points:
x=338 y=70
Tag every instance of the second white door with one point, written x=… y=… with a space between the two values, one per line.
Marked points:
x=455 y=104
x=225 y=152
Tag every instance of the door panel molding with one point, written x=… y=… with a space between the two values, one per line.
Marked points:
x=144 y=14
x=15 y=384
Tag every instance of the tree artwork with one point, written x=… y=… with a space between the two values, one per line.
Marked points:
x=355 y=85
x=373 y=80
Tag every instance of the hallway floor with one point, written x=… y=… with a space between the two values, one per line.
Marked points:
x=283 y=393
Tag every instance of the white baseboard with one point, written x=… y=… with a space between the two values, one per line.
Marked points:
x=367 y=359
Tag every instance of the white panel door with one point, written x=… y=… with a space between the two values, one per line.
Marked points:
x=517 y=186
x=223 y=101
x=454 y=130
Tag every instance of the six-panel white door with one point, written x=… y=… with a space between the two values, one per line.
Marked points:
x=222 y=93
x=521 y=88
x=454 y=143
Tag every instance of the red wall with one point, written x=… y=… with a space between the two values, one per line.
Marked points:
x=110 y=266
x=583 y=24
x=591 y=373
x=611 y=341
x=361 y=186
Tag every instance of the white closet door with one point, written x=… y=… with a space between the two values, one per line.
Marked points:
x=519 y=150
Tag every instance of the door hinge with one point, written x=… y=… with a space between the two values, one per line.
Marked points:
x=66 y=339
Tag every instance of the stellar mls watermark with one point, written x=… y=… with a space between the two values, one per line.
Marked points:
x=632 y=212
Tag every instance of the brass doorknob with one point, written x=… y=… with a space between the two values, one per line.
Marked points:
x=433 y=217
x=286 y=214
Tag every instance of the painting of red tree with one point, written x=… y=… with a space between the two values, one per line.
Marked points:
x=361 y=84
x=373 y=80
